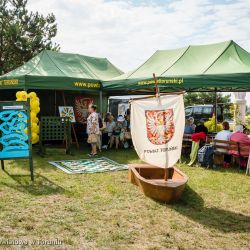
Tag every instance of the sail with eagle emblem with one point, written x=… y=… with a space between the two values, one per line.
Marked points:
x=157 y=127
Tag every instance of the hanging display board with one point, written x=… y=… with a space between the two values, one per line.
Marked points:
x=15 y=132
x=67 y=112
x=81 y=108
x=122 y=108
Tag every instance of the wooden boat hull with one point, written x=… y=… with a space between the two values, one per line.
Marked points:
x=150 y=180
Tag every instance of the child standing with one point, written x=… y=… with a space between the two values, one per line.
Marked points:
x=118 y=132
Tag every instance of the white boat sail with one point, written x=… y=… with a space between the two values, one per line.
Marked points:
x=157 y=127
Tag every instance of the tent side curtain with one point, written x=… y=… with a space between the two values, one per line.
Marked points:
x=225 y=66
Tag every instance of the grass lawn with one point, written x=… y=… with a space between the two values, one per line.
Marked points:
x=105 y=211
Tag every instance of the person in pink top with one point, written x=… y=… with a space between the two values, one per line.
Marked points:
x=240 y=136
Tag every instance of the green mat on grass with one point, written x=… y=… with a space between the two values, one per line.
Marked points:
x=91 y=165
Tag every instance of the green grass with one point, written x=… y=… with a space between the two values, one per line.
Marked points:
x=105 y=211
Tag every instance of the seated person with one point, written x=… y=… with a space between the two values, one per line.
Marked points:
x=224 y=135
x=190 y=126
x=127 y=134
x=118 y=132
x=107 y=133
x=198 y=136
x=127 y=119
x=201 y=127
x=246 y=131
x=99 y=136
x=240 y=136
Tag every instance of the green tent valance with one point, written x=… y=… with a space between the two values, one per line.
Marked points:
x=224 y=66
x=60 y=71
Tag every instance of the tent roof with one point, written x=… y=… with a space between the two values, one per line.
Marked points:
x=225 y=66
x=56 y=70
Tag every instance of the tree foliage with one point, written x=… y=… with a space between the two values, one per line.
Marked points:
x=206 y=98
x=23 y=34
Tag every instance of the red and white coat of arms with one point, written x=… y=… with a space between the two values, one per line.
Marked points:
x=160 y=126
x=81 y=108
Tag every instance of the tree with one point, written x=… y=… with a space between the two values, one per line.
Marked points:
x=23 y=34
x=224 y=101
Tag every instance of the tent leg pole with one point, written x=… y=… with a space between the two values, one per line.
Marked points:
x=100 y=95
x=55 y=104
x=2 y=164
x=74 y=132
x=215 y=110
x=64 y=100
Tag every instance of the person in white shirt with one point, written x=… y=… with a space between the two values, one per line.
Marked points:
x=224 y=135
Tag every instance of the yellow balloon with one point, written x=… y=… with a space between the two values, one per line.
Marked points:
x=34 y=128
x=36 y=99
x=33 y=125
x=36 y=120
x=35 y=141
x=34 y=105
x=23 y=96
x=37 y=129
x=32 y=95
x=36 y=110
x=18 y=95
x=33 y=116
x=35 y=138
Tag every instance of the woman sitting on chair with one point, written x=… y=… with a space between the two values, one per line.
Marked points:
x=224 y=135
x=240 y=136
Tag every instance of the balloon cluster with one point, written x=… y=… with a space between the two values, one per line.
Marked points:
x=34 y=110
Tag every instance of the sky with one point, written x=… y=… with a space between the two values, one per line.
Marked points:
x=128 y=32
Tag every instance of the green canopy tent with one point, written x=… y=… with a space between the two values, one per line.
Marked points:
x=51 y=70
x=60 y=71
x=215 y=67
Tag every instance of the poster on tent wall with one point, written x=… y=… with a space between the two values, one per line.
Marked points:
x=157 y=127
x=122 y=108
x=81 y=108
x=68 y=112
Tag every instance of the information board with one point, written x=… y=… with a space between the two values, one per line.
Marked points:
x=15 y=132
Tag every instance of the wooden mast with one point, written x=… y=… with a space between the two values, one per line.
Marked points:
x=157 y=94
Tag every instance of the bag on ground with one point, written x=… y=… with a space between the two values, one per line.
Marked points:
x=205 y=156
